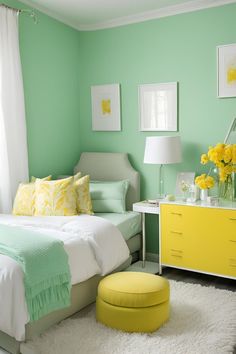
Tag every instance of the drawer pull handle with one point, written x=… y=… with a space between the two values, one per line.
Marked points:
x=232 y=241
x=176 y=255
x=177 y=232
x=232 y=264
x=174 y=213
x=178 y=251
x=232 y=219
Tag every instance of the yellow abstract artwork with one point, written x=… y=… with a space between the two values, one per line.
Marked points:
x=231 y=75
x=105 y=101
x=106 y=106
x=227 y=70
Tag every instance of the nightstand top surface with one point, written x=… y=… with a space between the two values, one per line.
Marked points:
x=151 y=208
x=146 y=207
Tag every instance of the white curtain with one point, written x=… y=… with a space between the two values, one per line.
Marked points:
x=13 y=139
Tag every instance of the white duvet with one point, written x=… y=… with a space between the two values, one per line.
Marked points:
x=94 y=246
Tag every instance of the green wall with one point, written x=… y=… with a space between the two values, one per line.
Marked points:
x=50 y=65
x=180 y=48
x=60 y=64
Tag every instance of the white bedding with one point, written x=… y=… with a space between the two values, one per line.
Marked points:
x=89 y=241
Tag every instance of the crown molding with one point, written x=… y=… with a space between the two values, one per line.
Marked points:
x=185 y=7
x=52 y=14
x=194 y=5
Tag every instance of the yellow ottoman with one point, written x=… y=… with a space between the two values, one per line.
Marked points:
x=133 y=301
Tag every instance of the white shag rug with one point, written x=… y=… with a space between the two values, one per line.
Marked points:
x=202 y=321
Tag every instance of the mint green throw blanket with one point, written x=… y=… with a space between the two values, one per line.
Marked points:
x=45 y=265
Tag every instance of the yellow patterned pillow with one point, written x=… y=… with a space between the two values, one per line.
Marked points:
x=77 y=176
x=84 y=203
x=55 y=197
x=25 y=198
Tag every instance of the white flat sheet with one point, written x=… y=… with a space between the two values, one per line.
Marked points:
x=94 y=246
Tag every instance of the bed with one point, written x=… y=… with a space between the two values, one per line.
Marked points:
x=100 y=167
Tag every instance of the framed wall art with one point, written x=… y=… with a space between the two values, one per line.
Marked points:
x=187 y=178
x=226 y=70
x=158 y=107
x=106 y=107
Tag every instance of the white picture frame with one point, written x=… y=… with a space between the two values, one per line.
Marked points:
x=226 y=70
x=106 y=107
x=187 y=177
x=158 y=107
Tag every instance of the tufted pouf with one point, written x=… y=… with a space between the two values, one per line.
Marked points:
x=133 y=301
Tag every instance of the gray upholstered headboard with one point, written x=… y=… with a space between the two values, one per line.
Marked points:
x=109 y=166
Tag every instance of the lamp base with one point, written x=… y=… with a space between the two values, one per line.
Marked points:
x=161 y=183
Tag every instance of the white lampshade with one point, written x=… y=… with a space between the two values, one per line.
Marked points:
x=162 y=150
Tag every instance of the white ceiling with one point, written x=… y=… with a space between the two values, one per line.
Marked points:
x=98 y=14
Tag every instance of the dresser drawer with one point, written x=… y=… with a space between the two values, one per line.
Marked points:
x=173 y=217
x=174 y=256
x=227 y=221
x=228 y=256
x=226 y=218
x=226 y=266
x=228 y=246
x=231 y=267
x=173 y=240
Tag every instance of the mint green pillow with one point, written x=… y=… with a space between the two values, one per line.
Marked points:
x=108 y=197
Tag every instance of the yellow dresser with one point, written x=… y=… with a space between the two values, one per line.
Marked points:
x=198 y=238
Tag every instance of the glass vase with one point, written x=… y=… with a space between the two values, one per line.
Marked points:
x=214 y=191
x=226 y=188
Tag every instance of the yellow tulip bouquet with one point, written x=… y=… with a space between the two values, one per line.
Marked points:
x=224 y=158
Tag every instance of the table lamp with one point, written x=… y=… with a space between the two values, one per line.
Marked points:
x=162 y=150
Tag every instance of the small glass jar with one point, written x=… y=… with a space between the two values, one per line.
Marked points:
x=193 y=193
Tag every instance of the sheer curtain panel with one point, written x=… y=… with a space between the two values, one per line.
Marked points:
x=13 y=139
